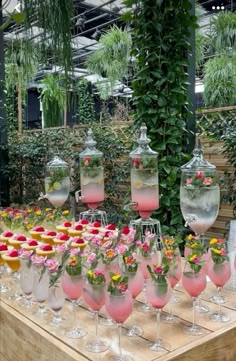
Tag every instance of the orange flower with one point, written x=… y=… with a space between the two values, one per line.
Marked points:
x=110 y=253
x=72 y=261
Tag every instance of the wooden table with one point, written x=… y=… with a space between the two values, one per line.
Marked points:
x=27 y=337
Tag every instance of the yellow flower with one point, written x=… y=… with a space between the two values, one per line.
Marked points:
x=217 y=251
x=29 y=226
x=65 y=212
x=90 y=273
x=213 y=241
x=38 y=213
x=169 y=241
x=48 y=209
x=115 y=277
x=4 y=214
x=194 y=245
x=189 y=237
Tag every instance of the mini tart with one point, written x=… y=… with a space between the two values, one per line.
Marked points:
x=3 y=250
x=94 y=225
x=36 y=232
x=40 y=251
x=17 y=240
x=79 y=244
x=48 y=236
x=61 y=238
x=64 y=227
x=5 y=236
x=28 y=246
x=12 y=262
x=76 y=231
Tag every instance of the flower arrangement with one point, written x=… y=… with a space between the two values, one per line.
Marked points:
x=144 y=163
x=200 y=179
x=109 y=256
x=171 y=243
x=158 y=275
x=218 y=250
x=56 y=269
x=194 y=243
x=168 y=256
x=90 y=166
x=130 y=263
x=96 y=277
x=195 y=262
x=74 y=266
x=148 y=246
x=118 y=284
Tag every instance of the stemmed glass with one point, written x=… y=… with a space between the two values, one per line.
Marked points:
x=3 y=249
x=73 y=287
x=158 y=295
x=11 y=257
x=94 y=296
x=119 y=308
x=56 y=300
x=199 y=196
x=219 y=273
x=194 y=282
x=26 y=277
x=40 y=287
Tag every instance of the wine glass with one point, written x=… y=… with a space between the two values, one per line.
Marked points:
x=73 y=287
x=135 y=285
x=3 y=249
x=119 y=308
x=11 y=258
x=199 y=196
x=56 y=300
x=219 y=274
x=94 y=296
x=194 y=282
x=40 y=288
x=158 y=295
x=26 y=280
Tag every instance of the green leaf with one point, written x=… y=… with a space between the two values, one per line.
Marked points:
x=19 y=18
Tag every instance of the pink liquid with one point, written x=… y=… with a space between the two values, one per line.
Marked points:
x=155 y=296
x=219 y=273
x=119 y=308
x=93 y=194
x=187 y=251
x=174 y=274
x=135 y=282
x=94 y=296
x=73 y=286
x=144 y=261
x=194 y=283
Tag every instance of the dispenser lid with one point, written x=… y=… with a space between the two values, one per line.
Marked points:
x=143 y=144
x=57 y=162
x=198 y=162
x=90 y=144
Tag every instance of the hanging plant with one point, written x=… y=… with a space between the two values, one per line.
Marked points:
x=86 y=106
x=111 y=59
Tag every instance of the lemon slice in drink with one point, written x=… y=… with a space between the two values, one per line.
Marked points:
x=56 y=186
x=138 y=184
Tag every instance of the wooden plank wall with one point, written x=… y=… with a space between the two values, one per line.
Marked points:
x=213 y=152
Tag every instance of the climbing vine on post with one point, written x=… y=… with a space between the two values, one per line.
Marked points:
x=160 y=44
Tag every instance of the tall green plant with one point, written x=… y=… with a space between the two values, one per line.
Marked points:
x=111 y=59
x=53 y=100
x=161 y=31
x=86 y=106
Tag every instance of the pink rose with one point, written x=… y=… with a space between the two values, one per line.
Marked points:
x=51 y=265
x=158 y=270
x=188 y=181
x=121 y=248
x=106 y=244
x=199 y=175
x=91 y=258
x=37 y=259
x=207 y=181
x=98 y=273
x=25 y=254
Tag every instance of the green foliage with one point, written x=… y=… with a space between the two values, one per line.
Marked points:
x=216 y=124
x=223 y=32
x=200 y=43
x=53 y=100
x=220 y=81
x=86 y=106
x=111 y=59
x=161 y=31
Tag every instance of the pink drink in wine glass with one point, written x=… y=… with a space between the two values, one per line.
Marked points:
x=135 y=282
x=94 y=296
x=194 y=283
x=111 y=267
x=120 y=307
x=144 y=261
x=174 y=274
x=219 y=273
x=72 y=286
x=155 y=296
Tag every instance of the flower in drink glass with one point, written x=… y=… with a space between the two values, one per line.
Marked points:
x=94 y=293
x=119 y=305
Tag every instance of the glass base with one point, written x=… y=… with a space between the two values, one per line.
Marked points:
x=76 y=333
x=193 y=330
x=96 y=346
x=133 y=331
x=56 y=321
x=215 y=316
x=167 y=318
x=26 y=303
x=201 y=308
x=107 y=322
x=42 y=311
x=4 y=288
x=15 y=297
x=217 y=299
x=159 y=346
x=146 y=308
x=122 y=357
x=175 y=299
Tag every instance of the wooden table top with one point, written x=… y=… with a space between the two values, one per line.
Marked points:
x=26 y=337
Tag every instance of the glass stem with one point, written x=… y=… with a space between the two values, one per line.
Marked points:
x=158 y=326
x=119 y=331
x=96 y=322
x=219 y=294
x=144 y=291
x=171 y=309
x=74 y=313
x=194 y=310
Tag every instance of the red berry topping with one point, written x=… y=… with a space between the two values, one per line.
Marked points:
x=46 y=247
x=63 y=237
x=67 y=224
x=38 y=229
x=107 y=234
x=51 y=233
x=3 y=247
x=96 y=224
x=32 y=242
x=125 y=230
x=20 y=237
x=78 y=227
x=7 y=234
x=78 y=240
x=13 y=253
x=111 y=227
x=84 y=221
x=94 y=231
